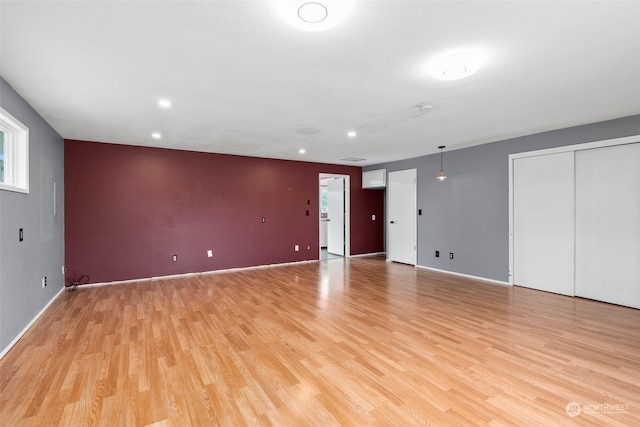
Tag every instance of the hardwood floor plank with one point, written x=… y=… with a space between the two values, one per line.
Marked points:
x=348 y=342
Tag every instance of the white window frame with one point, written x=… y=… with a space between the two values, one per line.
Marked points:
x=16 y=153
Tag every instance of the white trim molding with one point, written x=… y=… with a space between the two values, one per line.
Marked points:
x=202 y=273
x=26 y=328
x=367 y=255
x=468 y=276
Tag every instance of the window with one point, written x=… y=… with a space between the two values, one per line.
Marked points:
x=14 y=154
x=324 y=199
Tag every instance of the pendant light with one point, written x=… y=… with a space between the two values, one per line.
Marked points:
x=441 y=175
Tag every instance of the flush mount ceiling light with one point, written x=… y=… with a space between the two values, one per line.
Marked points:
x=302 y=151
x=441 y=176
x=351 y=134
x=156 y=135
x=164 y=103
x=315 y=15
x=456 y=64
x=312 y=12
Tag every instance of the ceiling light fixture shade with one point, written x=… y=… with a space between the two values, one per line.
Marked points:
x=441 y=176
x=312 y=12
x=315 y=15
x=456 y=64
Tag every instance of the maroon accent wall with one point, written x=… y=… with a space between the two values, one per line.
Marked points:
x=129 y=209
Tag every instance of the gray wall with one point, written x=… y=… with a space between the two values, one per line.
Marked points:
x=468 y=213
x=23 y=264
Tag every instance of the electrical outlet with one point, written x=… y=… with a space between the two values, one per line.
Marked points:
x=437 y=254
x=296 y=248
x=63 y=270
x=308 y=247
x=44 y=282
x=450 y=255
x=373 y=217
x=209 y=253
x=174 y=258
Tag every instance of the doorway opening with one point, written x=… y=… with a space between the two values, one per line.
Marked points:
x=334 y=216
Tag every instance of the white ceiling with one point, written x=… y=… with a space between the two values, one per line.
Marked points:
x=242 y=81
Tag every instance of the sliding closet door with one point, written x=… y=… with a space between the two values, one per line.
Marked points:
x=543 y=219
x=608 y=224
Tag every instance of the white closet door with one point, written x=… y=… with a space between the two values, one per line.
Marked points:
x=608 y=224
x=543 y=214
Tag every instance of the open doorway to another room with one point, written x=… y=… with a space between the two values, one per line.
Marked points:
x=334 y=216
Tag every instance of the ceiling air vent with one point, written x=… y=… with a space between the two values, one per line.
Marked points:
x=353 y=159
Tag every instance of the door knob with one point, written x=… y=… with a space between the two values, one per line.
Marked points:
x=393 y=222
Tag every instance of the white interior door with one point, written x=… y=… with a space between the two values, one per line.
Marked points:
x=336 y=216
x=543 y=218
x=402 y=225
x=608 y=224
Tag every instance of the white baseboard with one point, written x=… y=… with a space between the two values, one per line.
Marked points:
x=369 y=254
x=26 y=328
x=227 y=270
x=482 y=279
x=202 y=273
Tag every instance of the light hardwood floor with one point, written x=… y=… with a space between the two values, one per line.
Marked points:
x=351 y=342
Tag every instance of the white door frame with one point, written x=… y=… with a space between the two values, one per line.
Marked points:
x=347 y=211
x=575 y=147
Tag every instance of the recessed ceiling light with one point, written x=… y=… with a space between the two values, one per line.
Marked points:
x=164 y=103
x=156 y=135
x=302 y=151
x=313 y=15
x=351 y=134
x=456 y=64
